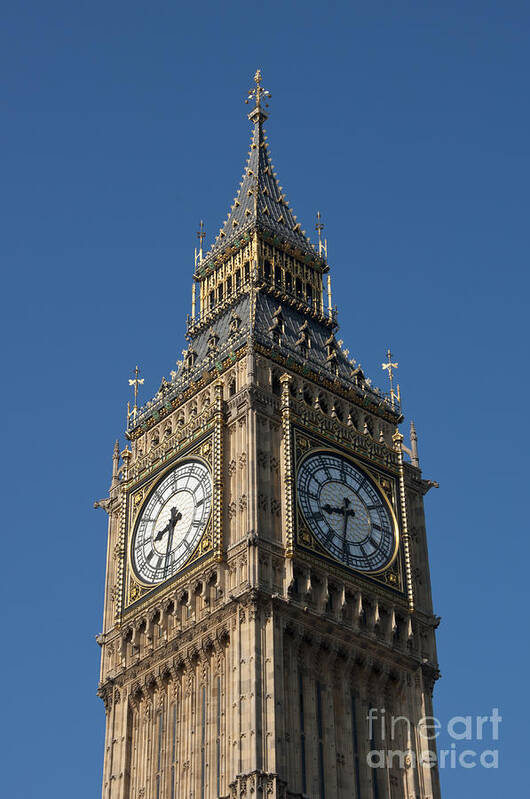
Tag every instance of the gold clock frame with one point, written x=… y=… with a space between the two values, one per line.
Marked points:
x=362 y=468
x=208 y=450
x=305 y=442
x=206 y=534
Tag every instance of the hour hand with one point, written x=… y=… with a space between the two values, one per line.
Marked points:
x=327 y=507
x=162 y=532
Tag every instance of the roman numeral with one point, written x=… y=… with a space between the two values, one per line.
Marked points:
x=329 y=537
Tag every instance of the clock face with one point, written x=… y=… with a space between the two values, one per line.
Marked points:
x=346 y=512
x=172 y=522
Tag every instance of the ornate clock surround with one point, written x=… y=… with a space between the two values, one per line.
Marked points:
x=136 y=496
x=305 y=443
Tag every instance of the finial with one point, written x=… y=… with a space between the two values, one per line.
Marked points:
x=389 y=366
x=258 y=94
x=135 y=382
x=322 y=245
x=201 y=233
x=115 y=463
x=414 y=457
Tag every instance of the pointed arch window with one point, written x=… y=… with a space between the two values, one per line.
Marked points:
x=203 y=741
x=218 y=738
x=355 y=742
x=302 y=730
x=159 y=762
x=191 y=358
x=174 y=750
x=276 y=385
x=299 y=290
x=320 y=734
x=373 y=746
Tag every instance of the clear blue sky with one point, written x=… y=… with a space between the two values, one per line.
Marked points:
x=122 y=124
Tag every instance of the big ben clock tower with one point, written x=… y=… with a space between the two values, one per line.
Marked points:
x=268 y=627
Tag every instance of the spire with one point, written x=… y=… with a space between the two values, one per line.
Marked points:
x=260 y=202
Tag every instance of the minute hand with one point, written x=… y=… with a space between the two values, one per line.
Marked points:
x=345 y=511
x=175 y=517
x=169 y=547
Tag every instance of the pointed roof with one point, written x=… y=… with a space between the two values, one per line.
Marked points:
x=260 y=202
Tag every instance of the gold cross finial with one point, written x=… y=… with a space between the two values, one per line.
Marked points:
x=258 y=93
x=322 y=245
x=135 y=382
x=389 y=367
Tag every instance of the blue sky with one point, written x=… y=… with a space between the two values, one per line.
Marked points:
x=122 y=124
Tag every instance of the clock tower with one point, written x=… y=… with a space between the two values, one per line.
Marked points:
x=268 y=627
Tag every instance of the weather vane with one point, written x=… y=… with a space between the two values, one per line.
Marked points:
x=135 y=382
x=389 y=367
x=258 y=93
x=322 y=245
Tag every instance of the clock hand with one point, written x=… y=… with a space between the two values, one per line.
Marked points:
x=168 y=550
x=344 y=511
x=175 y=517
x=347 y=513
x=161 y=532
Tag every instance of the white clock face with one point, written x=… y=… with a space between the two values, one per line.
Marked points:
x=172 y=522
x=346 y=512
